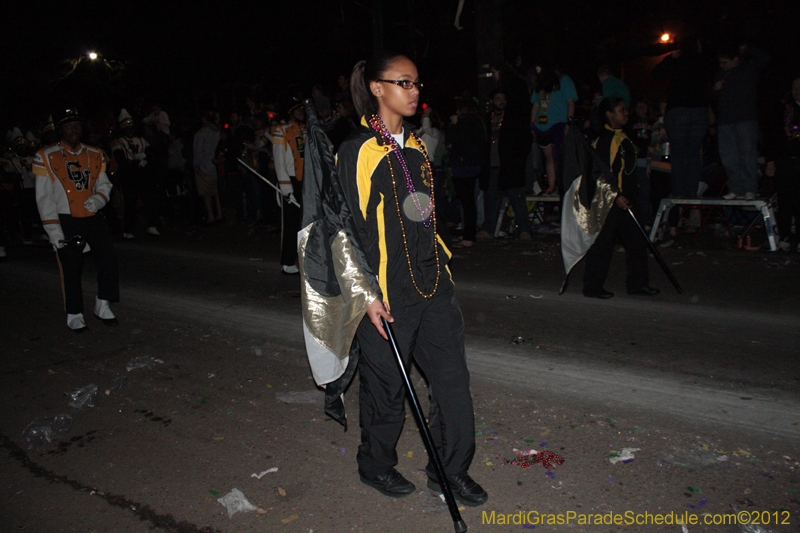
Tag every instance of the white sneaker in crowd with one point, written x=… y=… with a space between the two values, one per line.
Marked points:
x=152 y=230
x=749 y=196
x=290 y=269
x=76 y=323
x=729 y=196
x=128 y=236
x=102 y=310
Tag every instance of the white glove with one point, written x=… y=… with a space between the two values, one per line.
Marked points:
x=140 y=156
x=55 y=235
x=143 y=163
x=94 y=203
x=286 y=189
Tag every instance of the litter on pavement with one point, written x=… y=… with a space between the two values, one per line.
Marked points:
x=83 y=397
x=42 y=430
x=751 y=528
x=701 y=503
x=143 y=361
x=547 y=458
x=236 y=502
x=431 y=502
x=625 y=456
x=262 y=474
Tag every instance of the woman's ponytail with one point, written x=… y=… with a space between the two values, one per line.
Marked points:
x=362 y=96
x=364 y=72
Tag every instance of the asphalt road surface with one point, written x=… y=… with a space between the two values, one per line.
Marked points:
x=701 y=388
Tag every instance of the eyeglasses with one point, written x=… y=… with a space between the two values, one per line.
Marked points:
x=405 y=84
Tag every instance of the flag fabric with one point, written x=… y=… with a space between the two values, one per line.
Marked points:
x=337 y=285
x=591 y=192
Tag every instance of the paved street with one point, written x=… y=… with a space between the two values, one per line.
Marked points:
x=704 y=385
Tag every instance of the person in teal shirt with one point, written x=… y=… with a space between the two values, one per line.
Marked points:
x=613 y=86
x=553 y=102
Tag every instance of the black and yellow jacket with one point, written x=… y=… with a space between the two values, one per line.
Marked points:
x=618 y=152
x=363 y=169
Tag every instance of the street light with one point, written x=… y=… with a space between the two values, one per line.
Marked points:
x=92 y=55
x=665 y=38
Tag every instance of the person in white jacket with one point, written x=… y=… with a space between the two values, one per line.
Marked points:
x=205 y=166
x=71 y=187
x=288 y=150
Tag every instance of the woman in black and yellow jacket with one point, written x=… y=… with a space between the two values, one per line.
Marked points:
x=619 y=153
x=387 y=183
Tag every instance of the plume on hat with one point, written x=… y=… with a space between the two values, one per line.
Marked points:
x=125 y=119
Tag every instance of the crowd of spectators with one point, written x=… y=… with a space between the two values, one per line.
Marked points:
x=703 y=137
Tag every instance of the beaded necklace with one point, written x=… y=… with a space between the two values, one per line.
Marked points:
x=544 y=103
x=428 y=215
x=622 y=150
x=789 y=125
x=499 y=124
x=64 y=155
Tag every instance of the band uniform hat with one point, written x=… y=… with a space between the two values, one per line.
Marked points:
x=49 y=126
x=290 y=101
x=67 y=115
x=15 y=137
x=125 y=120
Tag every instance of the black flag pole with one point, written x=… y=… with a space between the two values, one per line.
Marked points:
x=657 y=255
x=564 y=285
x=460 y=525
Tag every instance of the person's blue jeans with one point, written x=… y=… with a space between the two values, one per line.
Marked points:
x=516 y=197
x=490 y=200
x=738 y=151
x=518 y=201
x=686 y=127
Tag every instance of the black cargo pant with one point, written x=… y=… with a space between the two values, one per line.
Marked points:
x=432 y=332
x=598 y=259
x=95 y=232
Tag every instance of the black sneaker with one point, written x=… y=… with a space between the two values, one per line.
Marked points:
x=391 y=484
x=645 y=291
x=600 y=293
x=464 y=488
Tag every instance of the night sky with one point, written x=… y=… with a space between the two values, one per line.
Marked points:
x=189 y=56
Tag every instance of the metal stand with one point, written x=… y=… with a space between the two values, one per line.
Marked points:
x=540 y=201
x=459 y=524
x=763 y=206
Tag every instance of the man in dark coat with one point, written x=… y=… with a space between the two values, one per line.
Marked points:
x=509 y=145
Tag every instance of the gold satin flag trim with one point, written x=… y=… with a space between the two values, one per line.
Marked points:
x=591 y=220
x=333 y=320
